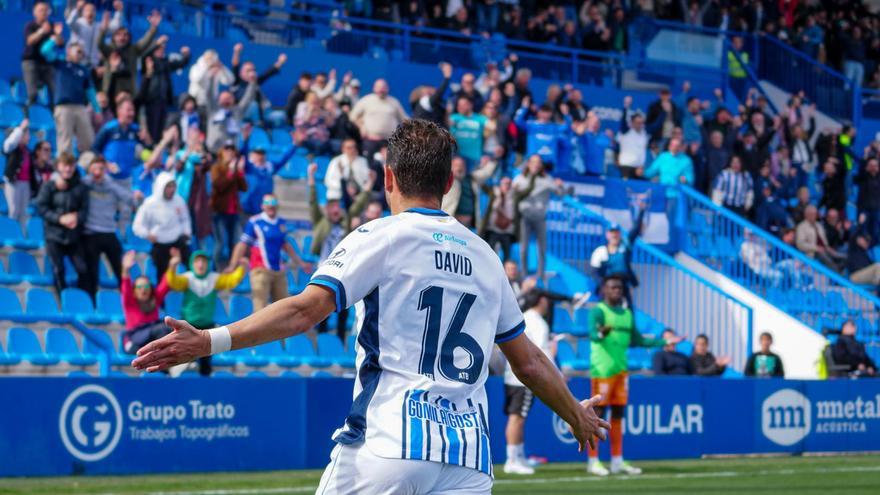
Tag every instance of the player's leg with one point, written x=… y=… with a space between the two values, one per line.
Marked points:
x=515 y=398
x=355 y=470
x=619 y=399
x=601 y=386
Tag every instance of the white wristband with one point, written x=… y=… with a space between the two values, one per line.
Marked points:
x=221 y=340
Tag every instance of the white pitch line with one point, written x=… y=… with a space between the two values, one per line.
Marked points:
x=543 y=481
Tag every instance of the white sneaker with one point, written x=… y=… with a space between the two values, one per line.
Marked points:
x=597 y=469
x=625 y=468
x=513 y=467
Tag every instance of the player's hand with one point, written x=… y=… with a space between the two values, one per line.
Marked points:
x=182 y=345
x=590 y=425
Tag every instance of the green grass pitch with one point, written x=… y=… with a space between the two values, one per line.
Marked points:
x=793 y=475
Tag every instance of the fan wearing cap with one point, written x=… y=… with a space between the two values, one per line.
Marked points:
x=200 y=286
x=615 y=257
x=264 y=238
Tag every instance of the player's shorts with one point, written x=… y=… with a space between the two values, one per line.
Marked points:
x=354 y=469
x=614 y=390
x=517 y=400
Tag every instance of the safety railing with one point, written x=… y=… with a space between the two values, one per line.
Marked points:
x=779 y=273
x=668 y=291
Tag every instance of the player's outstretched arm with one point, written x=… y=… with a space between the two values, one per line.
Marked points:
x=281 y=319
x=536 y=372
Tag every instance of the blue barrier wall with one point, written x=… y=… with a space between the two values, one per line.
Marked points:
x=114 y=426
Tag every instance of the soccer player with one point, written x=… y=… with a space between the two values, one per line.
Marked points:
x=436 y=300
x=612 y=332
x=517 y=398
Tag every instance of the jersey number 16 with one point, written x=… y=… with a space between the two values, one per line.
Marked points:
x=431 y=300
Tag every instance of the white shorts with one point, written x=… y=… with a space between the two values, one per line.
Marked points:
x=353 y=469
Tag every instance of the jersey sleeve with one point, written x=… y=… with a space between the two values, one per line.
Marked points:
x=249 y=235
x=510 y=321
x=354 y=268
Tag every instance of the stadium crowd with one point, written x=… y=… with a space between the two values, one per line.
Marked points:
x=135 y=158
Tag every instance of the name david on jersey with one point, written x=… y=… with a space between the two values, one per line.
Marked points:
x=453 y=263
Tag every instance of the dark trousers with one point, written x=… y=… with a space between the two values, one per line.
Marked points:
x=872 y=221
x=95 y=245
x=493 y=239
x=36 y=75
x=341 y=320
x=227 y=230
x=156 y=113
x=161 y=254
x=57 y=252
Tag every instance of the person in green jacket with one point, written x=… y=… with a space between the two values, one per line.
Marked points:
x=612 y=333
x=200 y=287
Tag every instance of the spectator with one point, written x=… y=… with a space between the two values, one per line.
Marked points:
x=770 y=214
x=227 y=181
x=463 y=198
x=73 y=93
x=468 y=129
x=164 y=220
x=703 y=363
x=615 y=257
x=313 y=122
x=734 y=188
x=187 y=116
x=535 y=186
x=21 y=171
x=764 y=363
x=802 y=202
x=264 y=238
x=500 y=225
x=854 y=56
x=323 y=85
x=85 y=30
x=716 y=157
x=200 y=286
x=737 y=61
x=428 y=103
x=544 y=137
x=350 y=91
x=868 y=201
x=99 y=236
x=122 y=56
x=156 y=87
x=297 y=95
x=633 y=141
x=468 y=90
x=812 y=240
x=850 y=352
x=495 y=136
x=593 y=144
x=663 y=116
x=63 y=203
x=837 y=230
x=35 y=69
x=140 y=305
x=247 y=80
x=377 y=115
x=345 y=168
x=669 y=361
x=672 y=167
x=118 y=143
x=226 y=115
x=260 y=172
x=330 y=227
x=860 y=263
x=206 y=76
x=833 y=186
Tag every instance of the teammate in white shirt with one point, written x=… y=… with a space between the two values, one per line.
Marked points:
x=517 y=397
x=435 y=302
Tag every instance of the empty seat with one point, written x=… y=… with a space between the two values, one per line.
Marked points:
x=566 y=357
x=259 y=139
x=7 y=359
x=240 y=307
x=24 y=265
x=322 y=374
x=96 y=341
x=60 y=342
x=222 y=374
x=245 y=286
x=40 y=304
x=274 y=352
x=10 y=307
x=290 y=374
x=563 y=321
x=10 y=114
x=35 y=231
x=257 y=374
x=7 y=278
x=301 y=347
x=639 y=358
x=77 y=304
x=330 y=347
x=110 y=305
x=106 y=278
x=221 y=317
x=281 y=139
x=24 y=343
x=40 y=118
x=78 y=374
x=174 y=304
x=13 y=237
x=295 y=168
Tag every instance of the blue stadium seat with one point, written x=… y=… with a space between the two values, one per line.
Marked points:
x=35 y=231
x=5 y=90
x=567 y=358
x=240 y=307
x=275 y=353
x=25 y=266
x=221 y=317
x=40 y=304
x=7 y=278
x=245 y=286
x=118 y=374
x=276 y=119
x=295 y=168
x=110 y=305
x=10 y=114
x=7 y=359
x=19 y=92
x=685 y=347
x=257 y=374
x=222 y=374
x=40 y=118
x=79 y=374
x=259 y=139
x=281 y=139
x=330 y=347
x=60 y=342
x=563 y=321
x=322 y=374
x=249 y=357
x=24 y=343
x=116 y=358
x=106 y=278
x=290 y=374
x=135 y=243
x=323 y=162
x=10 y=307
x=558 y=285
x=639 y=358
x=150 y=271
x=174 y=304
x=301 y=347
x=12 y=236
x=78 y=304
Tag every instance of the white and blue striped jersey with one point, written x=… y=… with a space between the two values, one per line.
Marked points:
x=435 y=300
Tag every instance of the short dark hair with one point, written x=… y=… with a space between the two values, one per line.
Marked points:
x=702 y=336
x=420 y=155
x=766 y=334
x=609 y=278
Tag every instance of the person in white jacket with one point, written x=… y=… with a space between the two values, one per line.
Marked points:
x=347 y=166
x=164 y=220
x=208 y=71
